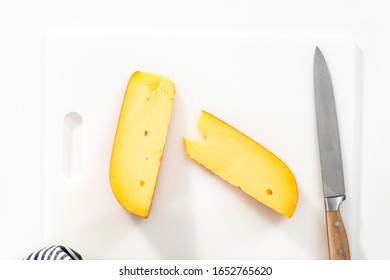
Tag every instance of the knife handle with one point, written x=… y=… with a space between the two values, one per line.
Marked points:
x=337 y=236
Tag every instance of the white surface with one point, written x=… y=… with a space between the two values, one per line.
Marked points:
x=195 y=215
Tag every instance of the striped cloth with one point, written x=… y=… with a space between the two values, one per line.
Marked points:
x=55 y=252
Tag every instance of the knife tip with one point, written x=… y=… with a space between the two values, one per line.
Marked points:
x=318 y=54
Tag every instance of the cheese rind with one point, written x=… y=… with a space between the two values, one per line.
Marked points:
x=244 y=163
x=140 y=139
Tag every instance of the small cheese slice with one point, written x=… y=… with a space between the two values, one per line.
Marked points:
x=244 y=163
x=139 y=140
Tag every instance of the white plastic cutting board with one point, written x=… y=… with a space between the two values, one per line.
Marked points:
x=262 y=85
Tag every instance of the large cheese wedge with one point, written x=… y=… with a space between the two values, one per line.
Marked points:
x=139 y=140
x=244 y=163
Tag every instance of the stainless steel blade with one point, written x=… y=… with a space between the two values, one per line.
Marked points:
x=328 y=131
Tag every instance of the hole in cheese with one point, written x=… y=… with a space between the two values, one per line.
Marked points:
x=269 y=192
x=142 y=183
x=146 y=133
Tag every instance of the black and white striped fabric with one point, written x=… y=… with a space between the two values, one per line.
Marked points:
x=55 y=252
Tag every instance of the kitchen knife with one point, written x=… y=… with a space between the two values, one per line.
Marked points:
x=330 y=158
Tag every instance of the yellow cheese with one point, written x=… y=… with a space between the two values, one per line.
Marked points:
x=244 y=163
x=139 y=140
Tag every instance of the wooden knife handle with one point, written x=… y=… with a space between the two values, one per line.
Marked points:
x=337 y=237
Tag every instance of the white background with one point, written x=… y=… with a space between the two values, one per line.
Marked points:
x=25 y=25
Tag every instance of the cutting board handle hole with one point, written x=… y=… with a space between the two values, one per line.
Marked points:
x=73 y=145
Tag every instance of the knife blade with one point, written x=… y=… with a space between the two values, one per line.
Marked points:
x=330 y=158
